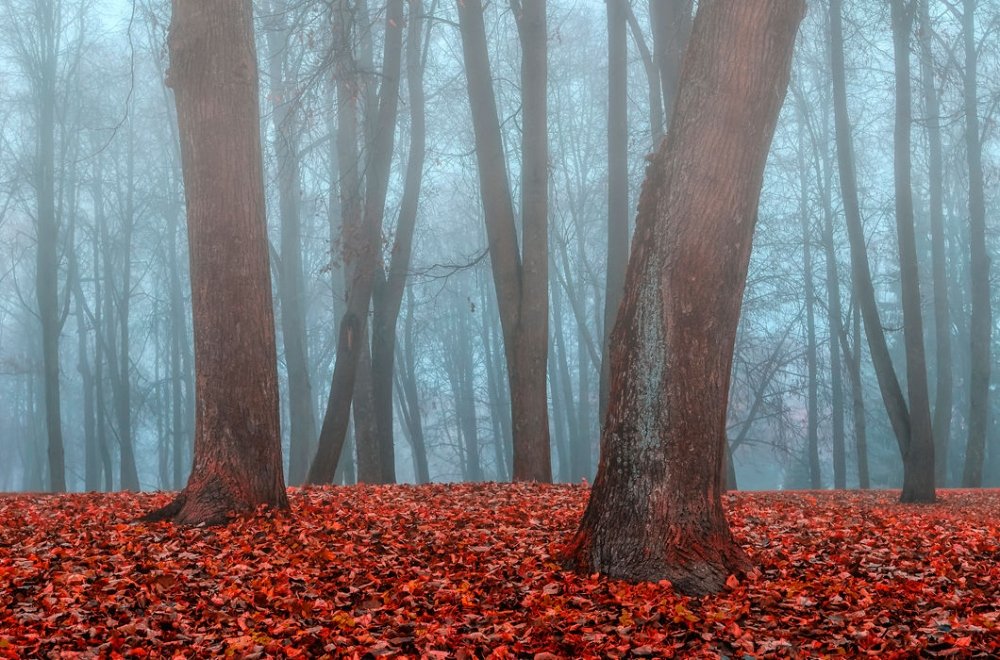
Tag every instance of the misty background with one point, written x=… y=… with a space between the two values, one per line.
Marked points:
x=125 y=377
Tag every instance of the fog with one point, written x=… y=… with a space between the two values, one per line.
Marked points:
x=98 y=199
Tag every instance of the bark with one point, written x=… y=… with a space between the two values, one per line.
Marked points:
x=918 y=456
x=981 y=322
x=943 y=395
x=237 y=440
x=858 y=404
x=362 y=240
x=519 y=277
x=618 y=209
x=655 y=511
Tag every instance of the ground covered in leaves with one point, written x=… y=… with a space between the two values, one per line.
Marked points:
x=470 y=570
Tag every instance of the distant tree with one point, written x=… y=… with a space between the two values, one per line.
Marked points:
x=981 y=323
x=519 y=275
x=914 y=460
x=237 y=450
x=362 y=227
x=918 y=454
x=655 y=511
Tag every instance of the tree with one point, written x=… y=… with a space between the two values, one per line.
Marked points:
x=362 y=227
x=655 y=511
x=918 y=454
x=981 y=323
x=892 y=394
x=617 y=184
x=237 y=443
x=519 y=276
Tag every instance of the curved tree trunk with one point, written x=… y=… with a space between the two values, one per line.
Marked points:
x=655 y=511
x=237 y=443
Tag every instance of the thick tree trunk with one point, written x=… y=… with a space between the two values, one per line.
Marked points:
x=943 y=395
x=981 y=323
x=655 y=511
x=521 y=285
x=408 y=376
x=362 y=237
x=237 y=450
x=618 y=209
x=918 y=456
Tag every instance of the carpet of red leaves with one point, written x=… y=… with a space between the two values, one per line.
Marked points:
x=470 y=571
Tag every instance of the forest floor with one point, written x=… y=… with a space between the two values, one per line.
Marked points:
x=468 y=571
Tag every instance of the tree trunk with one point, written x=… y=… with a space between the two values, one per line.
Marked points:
x=812 y=378
x=943 y=395
x=388 y=294
x=521 y=286
x=291 y=285
x=237 y=440
x=655 y=511
x=618 y=209
x=918 y=457
x=892 y=393
x=47 y=235
x=981 y=323
x=362 y=240
x=671 y=23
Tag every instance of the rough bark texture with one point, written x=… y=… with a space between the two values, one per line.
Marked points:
x=237 y=445
x=918 y=454
x=655 y=511
x=520 y=278
x=981 y=323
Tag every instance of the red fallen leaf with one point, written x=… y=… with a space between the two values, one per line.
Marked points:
x=424 y=571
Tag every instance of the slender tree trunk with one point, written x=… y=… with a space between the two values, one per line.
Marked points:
x=47 y=235
x=943 y=396
x=388 y=294
x=918 y=459
x=671 y=23
x=237 y=451
x=521 y=285
x=981 y=323
x=291 y=284
x=892 y=393
x=407 y=374
x=618 y=209
x=363 y=240
x=812 y=420
x=655 y=511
